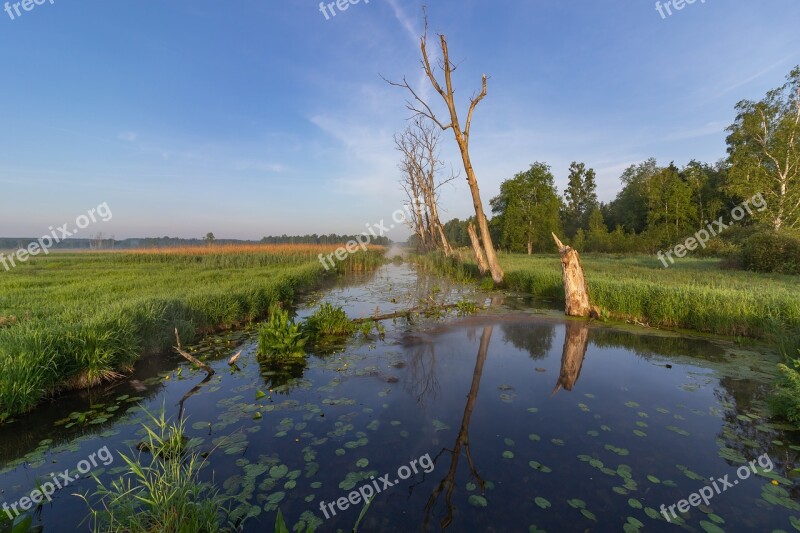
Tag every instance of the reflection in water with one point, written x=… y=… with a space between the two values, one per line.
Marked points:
x=422 y=380
x=449 y=481
x=576 y=341
x=283 y=377
x=534 y=338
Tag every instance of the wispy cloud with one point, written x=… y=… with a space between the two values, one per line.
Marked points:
x=128 y=136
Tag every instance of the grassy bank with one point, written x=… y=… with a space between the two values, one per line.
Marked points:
x=693 y=294
x=76 y=319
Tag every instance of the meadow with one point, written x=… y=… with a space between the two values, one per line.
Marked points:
x=77 y=319
x=695 y=294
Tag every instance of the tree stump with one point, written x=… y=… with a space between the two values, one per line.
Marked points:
x=576 y=290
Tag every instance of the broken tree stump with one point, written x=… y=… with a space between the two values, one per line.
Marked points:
x=576 y=290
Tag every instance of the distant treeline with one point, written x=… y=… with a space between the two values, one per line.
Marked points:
x=15 y=243
x=333 y=238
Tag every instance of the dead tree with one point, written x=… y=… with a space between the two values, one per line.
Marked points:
x=576 y=290
x=480 y=256
x=421 y=167
x=420 y=107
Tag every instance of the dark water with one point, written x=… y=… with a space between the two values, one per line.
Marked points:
x=531 y=423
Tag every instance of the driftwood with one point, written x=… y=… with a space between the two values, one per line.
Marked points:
x=232 y=360
x=403 y=314
x=576 y=290
x=190 y=358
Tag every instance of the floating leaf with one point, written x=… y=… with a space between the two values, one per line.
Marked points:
x=542 y=502
x=477 y=501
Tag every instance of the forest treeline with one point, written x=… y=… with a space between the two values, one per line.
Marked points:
x=659 y=205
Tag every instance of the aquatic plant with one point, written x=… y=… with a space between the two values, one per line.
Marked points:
x=160 y=491
x=23 y=523
x=329 y=321
x=280 y=337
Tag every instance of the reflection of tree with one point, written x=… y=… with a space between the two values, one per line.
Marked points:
x=422 y=380
x=283 y=377
x=536 y=339
x=448 y=484
x=576 y=341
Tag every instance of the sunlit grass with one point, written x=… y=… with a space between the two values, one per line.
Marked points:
x=76 y=319
x=694 y=294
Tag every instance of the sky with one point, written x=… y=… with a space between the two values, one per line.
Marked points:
x=249 y=118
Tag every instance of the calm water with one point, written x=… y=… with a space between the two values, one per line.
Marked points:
x=531 y=422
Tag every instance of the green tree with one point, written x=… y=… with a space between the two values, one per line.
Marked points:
x=671 y=212
x=631 y=206
x=528 y=206
x=764 y=153
x=580 y=197
x=210 y=238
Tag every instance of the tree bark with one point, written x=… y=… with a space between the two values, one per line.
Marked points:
x=576 y=290
x=476 y=246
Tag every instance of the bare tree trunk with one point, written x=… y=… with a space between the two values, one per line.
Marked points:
x=461 y=136
x=576 y=290
x=476 y=245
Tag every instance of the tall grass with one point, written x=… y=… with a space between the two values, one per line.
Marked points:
x=160 y=490
x=76 y=319
x=694 y=294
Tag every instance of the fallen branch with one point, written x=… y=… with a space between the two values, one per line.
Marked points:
x=404 y=314
x=232 y=360
x=190 y=358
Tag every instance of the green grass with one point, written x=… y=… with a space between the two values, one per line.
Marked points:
x=692 y=294
x=160 y=490
x=71 y=320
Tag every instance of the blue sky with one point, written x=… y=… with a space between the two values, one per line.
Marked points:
x=252 y=117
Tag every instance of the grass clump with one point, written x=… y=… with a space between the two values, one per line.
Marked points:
x=280 y=337
x=161 y=490
x=329 y=321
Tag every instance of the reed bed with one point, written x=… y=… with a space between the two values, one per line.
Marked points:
x=77 y=319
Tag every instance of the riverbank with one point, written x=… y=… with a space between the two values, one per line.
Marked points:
x=74 y=320
x=694 y=294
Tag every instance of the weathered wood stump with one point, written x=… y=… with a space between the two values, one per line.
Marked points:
x=576 y=290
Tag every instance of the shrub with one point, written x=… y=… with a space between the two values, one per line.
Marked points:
x=785 y=401
x=280 y=336
x=771 y=252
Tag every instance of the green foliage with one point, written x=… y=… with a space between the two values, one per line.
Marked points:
x=329 y=321
x=771 y=252
x=528 y=210
x=785 y=400
x=580 y=197
x=367 y=326
x=160 y=490
x=21 y=524
x=764 y=148
x=466 y=307
x=279 y=337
